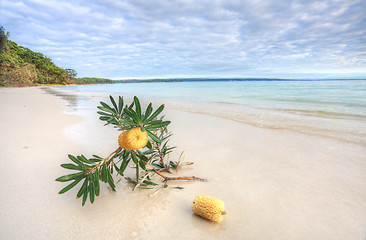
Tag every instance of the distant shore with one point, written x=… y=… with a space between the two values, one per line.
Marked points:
x=276 y=184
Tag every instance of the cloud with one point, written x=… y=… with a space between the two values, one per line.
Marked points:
x=113 y=38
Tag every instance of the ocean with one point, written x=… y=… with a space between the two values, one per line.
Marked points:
x=333 y=109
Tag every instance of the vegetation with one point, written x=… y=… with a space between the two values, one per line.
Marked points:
x=143 y=142
x=88 y=80
x=20 y=66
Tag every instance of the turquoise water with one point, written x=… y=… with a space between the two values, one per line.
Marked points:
x=335 y=109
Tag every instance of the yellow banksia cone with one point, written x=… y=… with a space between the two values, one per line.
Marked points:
x=209 y=207
x=133 y=139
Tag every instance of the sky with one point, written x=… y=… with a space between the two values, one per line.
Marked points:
x=120 y=39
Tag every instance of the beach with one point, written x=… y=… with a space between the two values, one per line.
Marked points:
x=276 y=183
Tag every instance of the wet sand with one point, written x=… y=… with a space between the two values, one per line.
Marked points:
x=276 y=184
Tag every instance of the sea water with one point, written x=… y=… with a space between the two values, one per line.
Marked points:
x=333 y=109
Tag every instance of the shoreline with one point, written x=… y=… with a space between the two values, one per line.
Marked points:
x=313 y=123
x=275 y=184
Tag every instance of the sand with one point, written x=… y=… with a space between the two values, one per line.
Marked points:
x=276 y=184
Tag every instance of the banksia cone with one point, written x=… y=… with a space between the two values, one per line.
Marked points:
x=133 y=139
x=209 y=207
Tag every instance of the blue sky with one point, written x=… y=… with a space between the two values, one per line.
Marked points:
x=148 y=39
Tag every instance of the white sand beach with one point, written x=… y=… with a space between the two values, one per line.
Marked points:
x=276 y=184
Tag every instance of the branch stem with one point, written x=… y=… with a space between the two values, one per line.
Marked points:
x=193 y=178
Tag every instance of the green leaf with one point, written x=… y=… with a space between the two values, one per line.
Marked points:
x=96 y=156
x=131 y=106
x=105 y=118
x=111 y=181
x=91 y=192
x=71 y=166
x=134 y=158
x=153 y=137
x=94 y=160
x=71 y=185
x=127 y=122
x=147 y=112
x=124 y=165
x=75 y=160
x=142 y=165
x=85 y=194
x=132 y=114
x=147 y=182
x=157 y=125
x=120 y=105
x=148 y=145
x=114 y=103
x=156 y=113
x=70 y=177
x=138 y=107
x=106 y=109
x=97 y=183
x=107 y=106
x=81 y=191
x=104 y=174
x=82 y=158
x=104 y=113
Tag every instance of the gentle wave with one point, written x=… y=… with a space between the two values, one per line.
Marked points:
x=335 y=109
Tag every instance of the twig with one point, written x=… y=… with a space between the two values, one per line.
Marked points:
x=193 y=178
x=162 y=161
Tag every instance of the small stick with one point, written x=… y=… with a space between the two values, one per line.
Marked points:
x=193 y=178
x=162 y=161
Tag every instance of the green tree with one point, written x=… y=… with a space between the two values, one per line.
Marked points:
x=71 y=73
x=3 y=38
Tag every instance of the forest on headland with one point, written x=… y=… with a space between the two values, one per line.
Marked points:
x=20 y=66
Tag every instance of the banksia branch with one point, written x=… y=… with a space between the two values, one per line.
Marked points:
x=143 y=141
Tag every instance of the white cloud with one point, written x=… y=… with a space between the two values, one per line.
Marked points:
x=112 y=38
